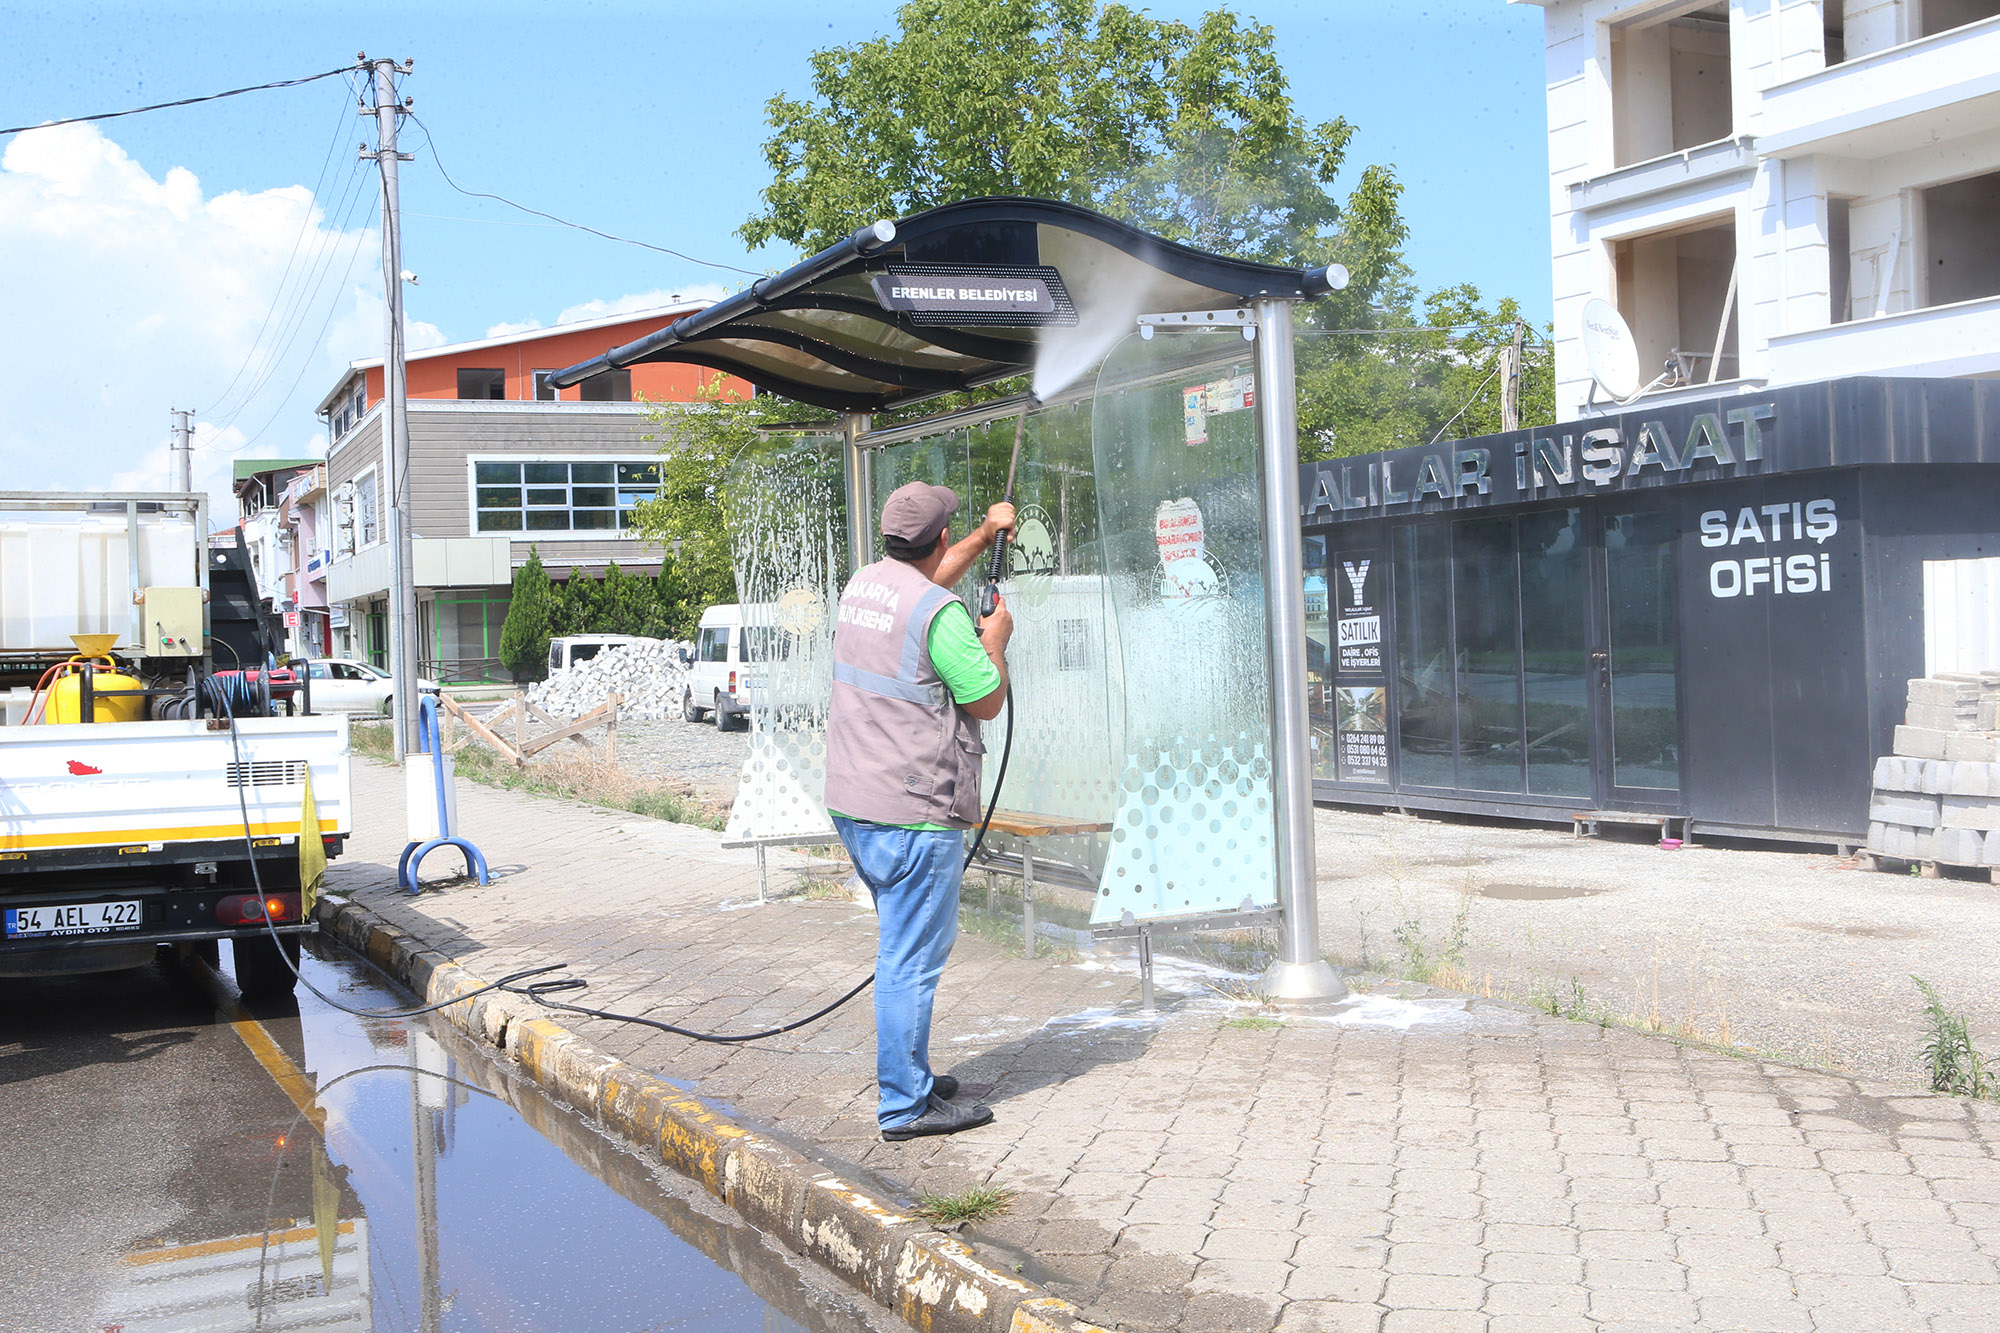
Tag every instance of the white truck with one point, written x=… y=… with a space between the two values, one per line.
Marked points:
x=137 y=780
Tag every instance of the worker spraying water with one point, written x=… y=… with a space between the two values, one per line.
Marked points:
x=912 y=681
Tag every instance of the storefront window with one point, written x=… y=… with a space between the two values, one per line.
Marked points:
x=1554 y=623
x=1319 y=660
x=1489 y=655
x=1426 y=678
x=1645 y=717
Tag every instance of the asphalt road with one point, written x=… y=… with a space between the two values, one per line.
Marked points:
x=177 y=1162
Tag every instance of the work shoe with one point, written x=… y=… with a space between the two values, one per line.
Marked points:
x=941 y=1118
x=944 y=1087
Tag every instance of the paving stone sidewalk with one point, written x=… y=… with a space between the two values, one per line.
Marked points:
x=1414 y=1160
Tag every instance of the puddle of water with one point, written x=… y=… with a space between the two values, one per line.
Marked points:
x=1536 y=893
x=445 y=1193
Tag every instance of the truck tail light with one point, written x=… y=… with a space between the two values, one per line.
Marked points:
x=732 y=682
x=248 y=909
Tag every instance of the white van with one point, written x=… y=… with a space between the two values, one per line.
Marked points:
x=574 y=648
x=718 y=678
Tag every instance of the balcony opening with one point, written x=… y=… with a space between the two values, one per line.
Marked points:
x=1670 y=87
x=1677 y=291
x=482 y=384
x=1960 y=220
x=1839 y=262
x=1938 y=16
x=608 y=386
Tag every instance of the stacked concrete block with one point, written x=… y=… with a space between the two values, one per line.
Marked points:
x=1937 y=798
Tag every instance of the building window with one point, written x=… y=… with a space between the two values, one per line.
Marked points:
x=588 y=497
x=1960 y=219
x=1677 y=292
x=465 y=629
x=1839 y=261
x=367 y=515
x=482 y=383
x=545 y=392
x=1944 y=15
x=608 y=386
x=1670 y=85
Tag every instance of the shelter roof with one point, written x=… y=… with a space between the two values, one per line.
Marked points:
x=868 y=323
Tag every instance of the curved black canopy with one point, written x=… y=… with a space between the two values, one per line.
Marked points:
x=871 y=323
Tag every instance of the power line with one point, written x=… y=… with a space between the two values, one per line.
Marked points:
x=299 y=305
x=302 y=303
x=305 y=222
x=624 y=240
x=185 y=101
x=318 y=340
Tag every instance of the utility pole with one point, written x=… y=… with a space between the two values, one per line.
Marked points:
x=183 y=448
x=403 y=636
x=1510 y=380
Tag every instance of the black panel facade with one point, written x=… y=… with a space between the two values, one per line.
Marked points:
x=1708 y=610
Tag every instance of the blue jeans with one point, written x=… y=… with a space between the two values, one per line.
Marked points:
x=914 y=876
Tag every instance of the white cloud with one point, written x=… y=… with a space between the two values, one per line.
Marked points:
x=700 y=293
x=507 y=328
x=131 y=295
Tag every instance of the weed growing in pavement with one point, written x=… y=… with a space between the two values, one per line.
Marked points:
x=976 y=1204
x=1254 y=1024
x=575 y=779
x=1953 y=1064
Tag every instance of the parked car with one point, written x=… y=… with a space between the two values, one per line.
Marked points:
x=342 y=685
x=574 y=648
x=718 y=679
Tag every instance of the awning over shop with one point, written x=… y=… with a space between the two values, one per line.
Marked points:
x=949 y=299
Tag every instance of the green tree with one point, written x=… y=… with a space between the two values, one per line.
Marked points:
x=689 y=515
x=524 y=636
x=1186 y=131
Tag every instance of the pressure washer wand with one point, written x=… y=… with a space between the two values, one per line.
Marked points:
x=989 y=596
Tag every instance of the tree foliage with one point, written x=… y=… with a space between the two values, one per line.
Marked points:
x=524 y=635
x=1187 y=131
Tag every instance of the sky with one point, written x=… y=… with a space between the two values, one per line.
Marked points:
x=224 y=257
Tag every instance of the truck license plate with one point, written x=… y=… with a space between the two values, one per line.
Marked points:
x=72 y=919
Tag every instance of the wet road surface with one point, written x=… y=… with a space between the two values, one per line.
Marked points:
x=176 y=1161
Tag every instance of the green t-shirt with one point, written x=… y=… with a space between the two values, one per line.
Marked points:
x=967 y=671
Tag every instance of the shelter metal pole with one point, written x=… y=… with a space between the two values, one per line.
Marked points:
x=1300 y=973
x=860 y=471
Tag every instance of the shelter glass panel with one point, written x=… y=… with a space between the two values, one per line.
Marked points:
x=1182 y=538
x=1064 y=661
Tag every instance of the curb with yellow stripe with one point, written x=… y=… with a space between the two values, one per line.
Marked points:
x=935 y=1282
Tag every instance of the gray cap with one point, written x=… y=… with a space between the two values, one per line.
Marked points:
x=918 y=512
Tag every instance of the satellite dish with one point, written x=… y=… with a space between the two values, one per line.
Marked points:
x=1609 y=350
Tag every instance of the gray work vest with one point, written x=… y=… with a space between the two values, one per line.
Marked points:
x=898 y=750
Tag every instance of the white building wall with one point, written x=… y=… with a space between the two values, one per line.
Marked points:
x=1895 y=115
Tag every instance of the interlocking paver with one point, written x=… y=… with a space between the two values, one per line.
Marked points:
x=1471 y=1166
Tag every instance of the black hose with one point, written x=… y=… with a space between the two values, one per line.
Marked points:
x=539 y=991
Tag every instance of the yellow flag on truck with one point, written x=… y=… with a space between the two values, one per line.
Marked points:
x=312 y=852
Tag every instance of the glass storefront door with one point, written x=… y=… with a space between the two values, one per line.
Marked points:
x=1534 y=658
x=1637 y=685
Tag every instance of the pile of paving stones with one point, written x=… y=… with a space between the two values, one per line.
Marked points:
x=1937 y=798
x=648 y=677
